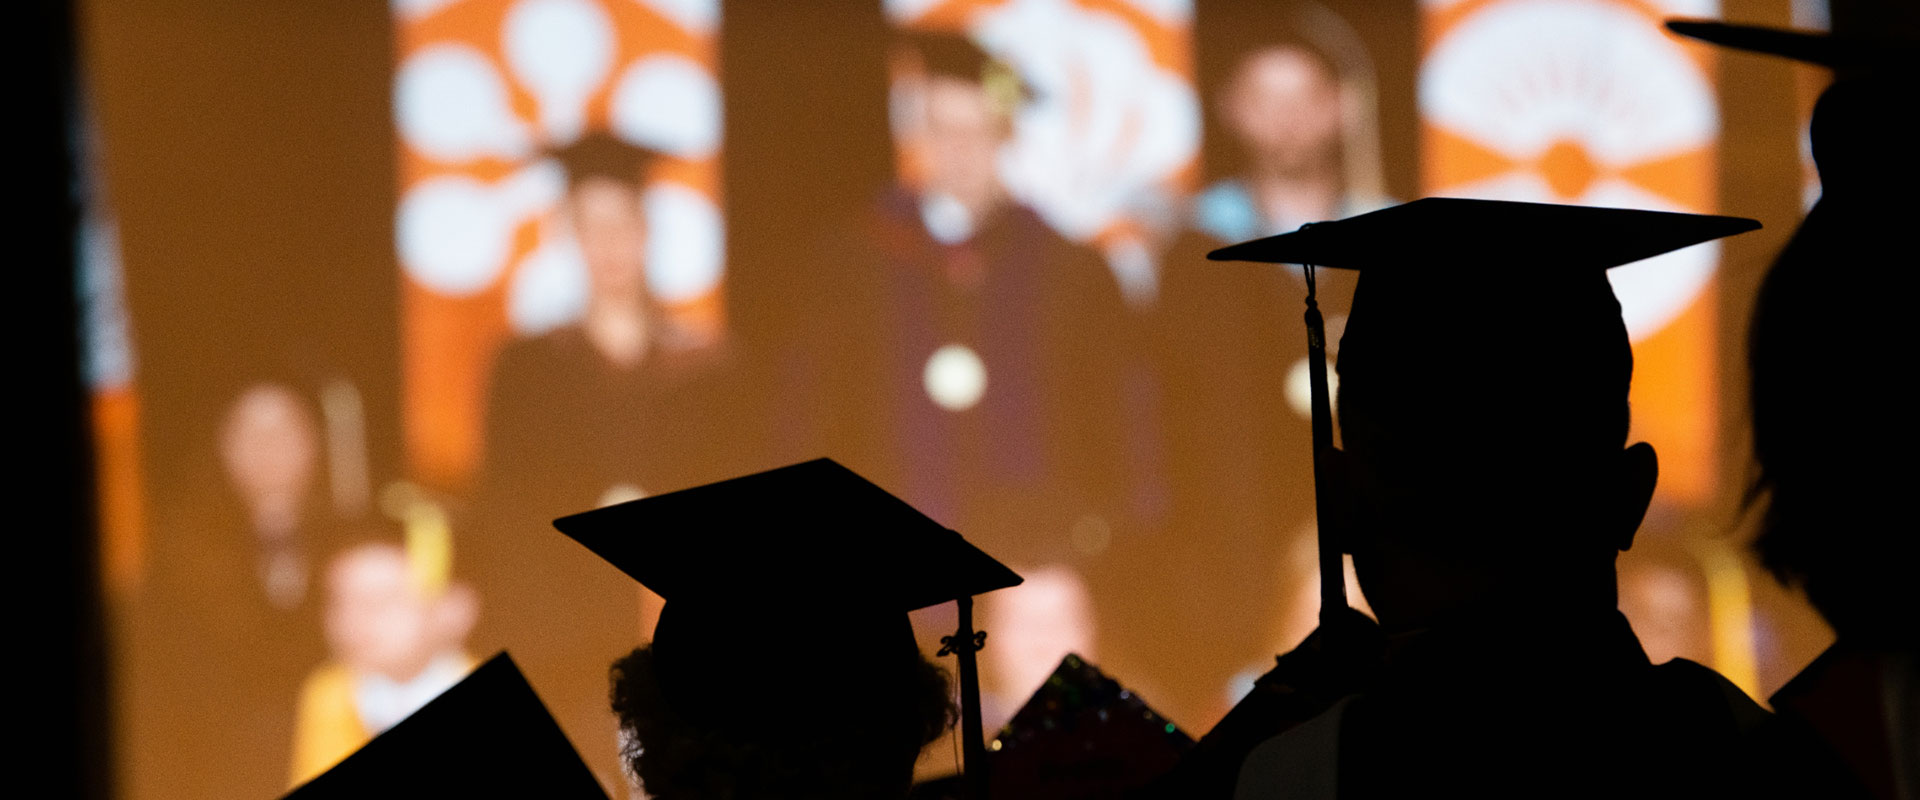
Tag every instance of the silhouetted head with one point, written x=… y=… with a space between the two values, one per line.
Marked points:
x=1832 y=334
x=1484 y=424
x=605 y=206
x=1863 y=125
x=784 y=663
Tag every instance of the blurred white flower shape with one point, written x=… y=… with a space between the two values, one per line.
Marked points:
x=1107 y=125
x=1519 y=77
x=685 y=243
x=658 y=82
x=561 y=50
x=454 y=235
x=549 y=288
x=451 y=106
x=1597 y=83
x=700 y=17
x=1166 y=12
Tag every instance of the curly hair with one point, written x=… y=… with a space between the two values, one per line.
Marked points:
x=865 y=750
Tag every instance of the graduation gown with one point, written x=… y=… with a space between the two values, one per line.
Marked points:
x=1561 y=706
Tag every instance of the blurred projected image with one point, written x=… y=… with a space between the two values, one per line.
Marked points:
x=1592 y=103
x=270 y=446
x=396 y=638
x=960 y=249
x=564 y=341
x=1007 y=280
x=1001 y=356
x=1291 y=137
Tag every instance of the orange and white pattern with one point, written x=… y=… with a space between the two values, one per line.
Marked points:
x=482 y=90
x=1113 y=133
x=1592 y=102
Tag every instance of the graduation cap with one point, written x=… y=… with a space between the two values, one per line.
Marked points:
x=810 y=567
x=1430 y=268
x=1835 y=51
x=1084 y=735
x=956 y=55
x=1862 y=127
x=487 y=736
x=599 y=154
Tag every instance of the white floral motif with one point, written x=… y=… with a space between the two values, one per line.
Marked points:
x=455 y=233
x=1519 y=78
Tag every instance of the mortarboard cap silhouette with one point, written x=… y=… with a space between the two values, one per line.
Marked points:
x=814 y=530
x=806 y=572
x=1443 y=278
x=1543 y=238
x=1837 y=51
x=487 y=736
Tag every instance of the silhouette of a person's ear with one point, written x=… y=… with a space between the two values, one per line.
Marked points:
x=1638 y=471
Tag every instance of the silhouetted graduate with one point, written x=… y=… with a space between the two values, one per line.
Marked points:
x=784 y=664
x=1484 y=503
x=488 y=736
x=1849 y=724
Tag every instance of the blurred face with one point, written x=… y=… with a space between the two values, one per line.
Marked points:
x=377 y=621
x=963 y=138
x=1284 y=107
x=270 y=445
x=610 y=223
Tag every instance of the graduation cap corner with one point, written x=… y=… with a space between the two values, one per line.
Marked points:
x=487 y=735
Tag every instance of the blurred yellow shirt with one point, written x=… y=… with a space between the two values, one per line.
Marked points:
x=327 y=726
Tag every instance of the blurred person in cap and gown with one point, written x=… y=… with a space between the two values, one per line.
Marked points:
x=397 y=634
x=1460 y=487
x=615 y=406
x=1291 y=138
x=980 y=360
x=1849 y=723
x=784 y=664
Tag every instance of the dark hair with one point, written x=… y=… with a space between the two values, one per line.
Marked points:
x=599 y=154
x=863 y=745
